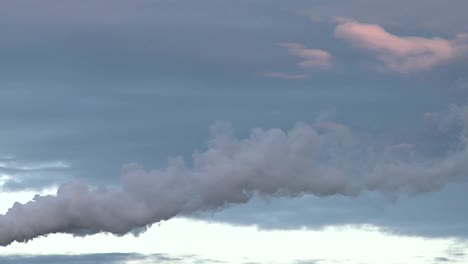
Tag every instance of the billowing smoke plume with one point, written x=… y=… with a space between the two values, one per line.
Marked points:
x=308 y=159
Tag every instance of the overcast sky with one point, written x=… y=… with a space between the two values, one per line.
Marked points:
x=319 y=131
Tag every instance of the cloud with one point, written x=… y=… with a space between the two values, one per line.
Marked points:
x=401 y=54
x=286 y=76
x=312 y=58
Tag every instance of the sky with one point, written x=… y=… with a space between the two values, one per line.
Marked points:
x=151 y=131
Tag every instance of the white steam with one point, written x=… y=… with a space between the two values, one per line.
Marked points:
x=308 y=159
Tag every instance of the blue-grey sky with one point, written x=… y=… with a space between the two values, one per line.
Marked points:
x=87 y=87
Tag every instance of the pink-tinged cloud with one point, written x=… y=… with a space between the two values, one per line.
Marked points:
x=401 y=54
x=312 y=58
x=286 y=76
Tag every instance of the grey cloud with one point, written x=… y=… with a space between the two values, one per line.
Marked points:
x=442 y=260
x=107 y=258
x=78 y=259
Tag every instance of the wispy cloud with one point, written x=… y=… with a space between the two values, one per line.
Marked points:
x=312 y=58
x=286 y=76
x=402 y=54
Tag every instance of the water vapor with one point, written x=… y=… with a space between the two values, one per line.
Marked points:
x=309 y=159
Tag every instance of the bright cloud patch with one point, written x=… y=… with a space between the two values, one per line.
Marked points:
x=401 y=54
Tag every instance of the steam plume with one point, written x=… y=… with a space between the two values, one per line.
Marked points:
x=271 y=162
